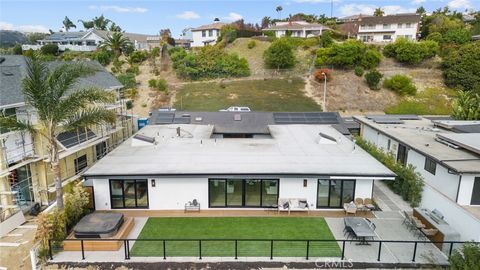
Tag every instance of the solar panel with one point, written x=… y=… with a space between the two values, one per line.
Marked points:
x=468 y=141
x=73 y=138
x=305 y=118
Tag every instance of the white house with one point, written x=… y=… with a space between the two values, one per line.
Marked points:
x=86 y=41
x=297 y=29
x=445 y=153
x=164 y=166
x=206 y=34
x=388 y=28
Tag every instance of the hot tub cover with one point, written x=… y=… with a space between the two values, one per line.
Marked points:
x=98 y=223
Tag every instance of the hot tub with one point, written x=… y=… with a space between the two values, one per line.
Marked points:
x=98 y=225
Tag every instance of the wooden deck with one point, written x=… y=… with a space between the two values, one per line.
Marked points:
x=101 y=245
x=238 y=213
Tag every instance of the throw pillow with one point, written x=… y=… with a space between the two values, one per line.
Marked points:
x=285 y=205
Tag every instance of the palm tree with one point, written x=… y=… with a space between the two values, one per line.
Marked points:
x=266 y=21
x=67 y=24
x=87 y=24
x=46 y=90
x=279 y=11
x=378 y=12
x=114 y=28
x=116 y=42
x=101 y=23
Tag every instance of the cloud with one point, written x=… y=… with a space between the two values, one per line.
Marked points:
x=232 y=16
x=460 y=4
x=316 y=1
x=418 y=2
x=352 y=9
x=23 y=28
x=188 y=15
x=119 y=9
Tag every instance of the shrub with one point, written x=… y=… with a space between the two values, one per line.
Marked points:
x=51 y=49
x=138 y=57
x=279 y=55
x=50 y=226
x=162 y=85
x=457 y=36
x=348 y=54
x=152 y=83
x=461 y=66
x=133 y=69
x=468 y=257
x=228 y=34
x=359 y=71
x=76 y=203
x=400 y=84
x=319 y=77
x=131 y=93
x=408 y=183
x=410 y=52
x=155 y=52
x=326 y=39
x=373 y=79
x=466 y=106
x=251 y=44
x=435 y=36
x=309 y=43
x=129 y=104
x=17 y=49
x=128 y=80
x=117 y=65
x=104 y=57
x=431 y=101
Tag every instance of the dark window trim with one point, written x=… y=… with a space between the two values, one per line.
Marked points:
x=77 y=163
x=243 y=192
x=123 y=194
x=341 y=192
x=430 y=165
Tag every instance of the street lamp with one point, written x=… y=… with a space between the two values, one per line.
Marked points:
x=324 y=91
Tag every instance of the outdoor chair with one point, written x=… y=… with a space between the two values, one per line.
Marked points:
x=408 y=220
x=350 y=208
x=359 y=202
x=429 y=232
x=369 y=203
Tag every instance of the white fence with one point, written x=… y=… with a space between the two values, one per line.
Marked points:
x=77 y=48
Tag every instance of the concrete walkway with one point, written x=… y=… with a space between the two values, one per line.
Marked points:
x=387 y=200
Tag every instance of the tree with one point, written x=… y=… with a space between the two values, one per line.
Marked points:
x=67 y=24
x=266 y=21
x=466 y=106
x=45 y=90
x=117 y=43
x=50 y=49
x=114 y=28
x=101 y=23
x=166 y=37
x=421 y=10
x=378 y=12
x=279 y=11
x=87 y=24
x=279 y=55
x=373 y=79
x=457 y=36
x=468 y=257
x=410 y=52
x=460 y=67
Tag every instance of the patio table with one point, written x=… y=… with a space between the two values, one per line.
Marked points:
x=361 y=229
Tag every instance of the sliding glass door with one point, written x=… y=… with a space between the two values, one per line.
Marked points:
x=128 y=194
x=242 y=192
x=334 y=193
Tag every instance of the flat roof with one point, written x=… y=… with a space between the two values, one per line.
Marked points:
x=422 y=136
x=291 y=150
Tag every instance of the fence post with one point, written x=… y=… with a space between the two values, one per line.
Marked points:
x=379 y=250
x=414 y=251
x=83 y=251
x=50 y=249
x=343 y=250
x=308 y=248
x=164 y=251
x=271 y=249
x=236 y=252
x=450 y=252
x=128 y=250
x=200 y=249
x=125 y=249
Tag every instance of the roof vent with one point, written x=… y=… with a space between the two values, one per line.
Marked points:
x=237 y=117
x=328 y=137
x=144 y=138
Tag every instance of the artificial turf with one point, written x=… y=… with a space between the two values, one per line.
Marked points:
x=257 y=228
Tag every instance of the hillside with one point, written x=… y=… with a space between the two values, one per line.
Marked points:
x=10 y=38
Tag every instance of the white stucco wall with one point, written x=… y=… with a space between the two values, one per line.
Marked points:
x=466 y=189
x=293 y=188
x=198 y=40
x=378 y=33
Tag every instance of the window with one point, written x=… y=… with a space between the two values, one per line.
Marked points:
x=476 y=192
x=363 y=26
x=242 y=193
x=400 y=25
x=101 y=150
x=80 y=164
x=204 y=33
x=386 y=26
x=389 y=143
x=11 y=112
x=387 y=37
x=408 y=25
x=371 y=26
x=128 y=194
x=402 y=154
x=334 y=193
x=210 y=33
x=430 y=165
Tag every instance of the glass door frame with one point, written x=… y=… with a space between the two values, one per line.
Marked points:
x=122 y=181
x=244 y=183
x=341 y=192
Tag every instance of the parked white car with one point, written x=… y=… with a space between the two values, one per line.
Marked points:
x=236 y=109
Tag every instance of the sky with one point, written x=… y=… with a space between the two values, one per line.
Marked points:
x=149 y=16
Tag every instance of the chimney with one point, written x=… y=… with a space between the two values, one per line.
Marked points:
x=178 y=131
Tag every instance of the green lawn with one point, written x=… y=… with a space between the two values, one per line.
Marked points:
x=259 y=95
x=299 y=228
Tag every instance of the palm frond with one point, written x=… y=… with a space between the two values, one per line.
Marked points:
x=63 y=77
x=89 y=116
x=82 y=99
x=11 y=123
x=34 y=86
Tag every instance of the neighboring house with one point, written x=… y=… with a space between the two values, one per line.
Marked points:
x=297 y=29
x=389 y=27
x=153 y=41
x=184 y=43
x=235 y=160
x=446 y=153
x=206 y=34
x=25 y=174
x=86 y=40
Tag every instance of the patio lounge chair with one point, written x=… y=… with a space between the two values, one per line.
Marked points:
x=429 y=232
x=293 y=204
x=359 y=202
x=368 y=203
x=350 y=208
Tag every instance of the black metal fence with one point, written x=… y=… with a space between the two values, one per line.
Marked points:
x=308 y=243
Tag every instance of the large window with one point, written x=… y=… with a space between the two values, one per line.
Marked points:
x=129 y=194
x=402 y=154
x=334 y=193
x=430 y=165
x=80 y=163
x=242 y=192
